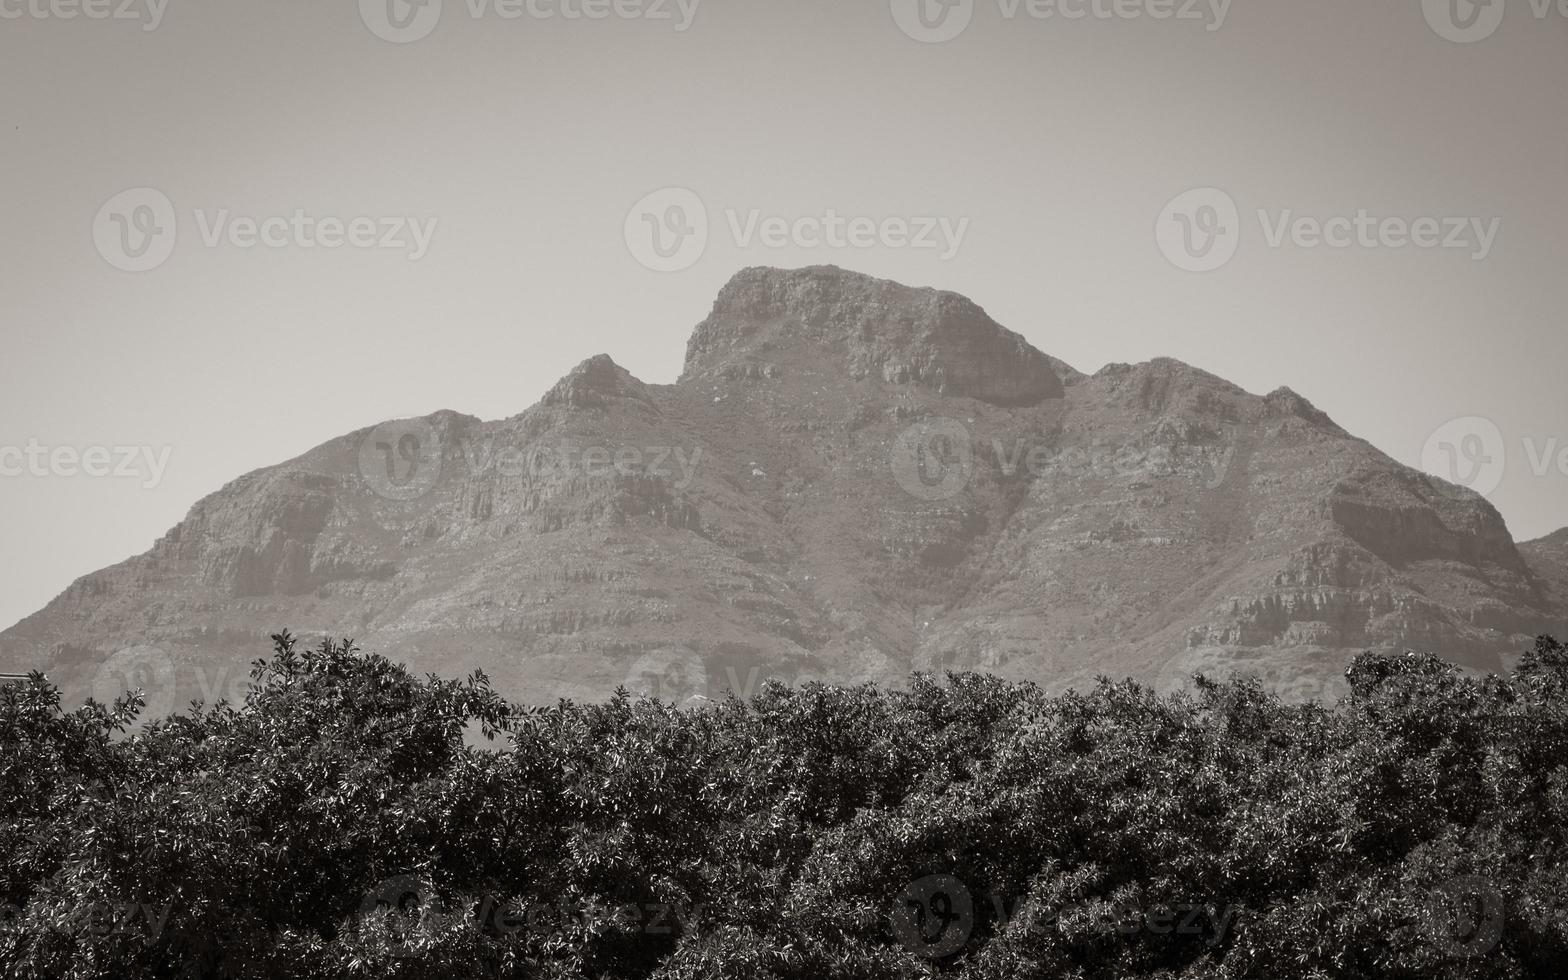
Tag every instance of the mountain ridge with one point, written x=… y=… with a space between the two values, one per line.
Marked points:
x=850 y=479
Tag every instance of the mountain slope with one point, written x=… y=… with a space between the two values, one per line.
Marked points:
x=850 y=479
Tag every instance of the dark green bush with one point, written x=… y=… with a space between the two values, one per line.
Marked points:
x=340 y=824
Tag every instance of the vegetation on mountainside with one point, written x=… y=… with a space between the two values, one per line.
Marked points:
x=339 y=824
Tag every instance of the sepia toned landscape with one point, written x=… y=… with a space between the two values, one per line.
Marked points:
x=741 y=490
x=851 y=480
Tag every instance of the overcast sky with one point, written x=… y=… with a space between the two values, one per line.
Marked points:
x=504 y=163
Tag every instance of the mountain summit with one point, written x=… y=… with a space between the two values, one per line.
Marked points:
x=851 y=479
x=878 y=329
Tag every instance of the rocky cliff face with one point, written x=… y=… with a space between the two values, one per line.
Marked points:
x=851 y=479
x=1548 y=560
x=876 y=329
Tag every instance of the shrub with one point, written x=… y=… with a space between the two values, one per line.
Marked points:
x=339 y=824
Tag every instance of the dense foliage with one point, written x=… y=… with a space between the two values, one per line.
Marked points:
x=351 y=820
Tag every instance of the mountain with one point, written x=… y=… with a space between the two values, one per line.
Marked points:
x=851 y=479
x=1548 y=559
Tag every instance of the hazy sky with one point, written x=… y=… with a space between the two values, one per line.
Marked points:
x=1054 y=143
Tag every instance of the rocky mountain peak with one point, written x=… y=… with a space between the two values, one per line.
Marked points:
x=1557 y=539
x=874 y=327
x=595 y=383
x=1283 y=402
x=769 y=517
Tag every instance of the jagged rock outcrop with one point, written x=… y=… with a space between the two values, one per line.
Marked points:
x=596 y=383
x=1548 y=560
x=851 y=479
x=879 y=329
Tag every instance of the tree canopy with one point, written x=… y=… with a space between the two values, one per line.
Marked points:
x=345 y=821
